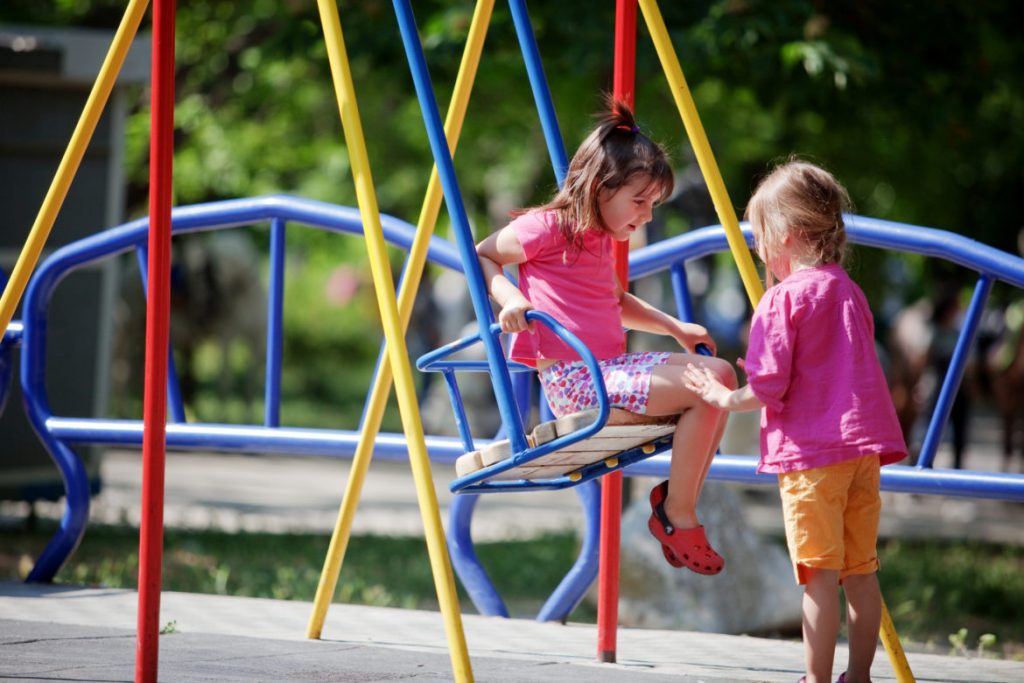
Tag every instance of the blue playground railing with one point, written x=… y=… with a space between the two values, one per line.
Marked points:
x=61 y=434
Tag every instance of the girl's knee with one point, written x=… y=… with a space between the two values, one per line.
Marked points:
x=816 y=577
x=724 y=371
x=860 y=583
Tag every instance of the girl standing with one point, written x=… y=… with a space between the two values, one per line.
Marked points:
x=827 y=421
x=564 y=253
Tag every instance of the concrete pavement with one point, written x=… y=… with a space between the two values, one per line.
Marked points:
x=63 y=633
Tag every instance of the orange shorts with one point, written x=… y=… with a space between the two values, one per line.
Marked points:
x=831 y=516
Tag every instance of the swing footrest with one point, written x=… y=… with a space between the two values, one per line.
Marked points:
x=623 y=431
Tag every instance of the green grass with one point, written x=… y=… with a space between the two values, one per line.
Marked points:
x=943 y=596
x=378 y=570
x=934 y=589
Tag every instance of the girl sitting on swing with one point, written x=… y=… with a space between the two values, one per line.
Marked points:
x=563 y=251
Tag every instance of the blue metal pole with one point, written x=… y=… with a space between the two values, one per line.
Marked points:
x=541 y=91
x=681 y=289
x=275 y=324
x=174 y=401
x=500 y=377
x=464 y=558
x=577 y=581
x=955 y=372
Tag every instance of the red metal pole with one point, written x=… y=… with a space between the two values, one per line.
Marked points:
x=611 y=497
x=151 y=532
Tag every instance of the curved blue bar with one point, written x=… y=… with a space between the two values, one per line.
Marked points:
x=963 y=251
x=869 y=232
x=577 y=581
x=524 y=455
x=231 y=213
x=465 y=561
x=133 y=235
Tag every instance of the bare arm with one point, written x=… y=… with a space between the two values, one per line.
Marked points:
x=637 y=314
x=496 y=251
x=703 y=382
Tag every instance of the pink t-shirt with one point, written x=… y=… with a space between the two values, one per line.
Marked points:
x=577 y=288
x=811 y=360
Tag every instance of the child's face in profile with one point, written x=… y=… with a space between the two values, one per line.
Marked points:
x=628 y=207
x=774 y=252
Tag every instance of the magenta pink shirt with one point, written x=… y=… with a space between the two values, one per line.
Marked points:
x=811 y=361
x=576 y=287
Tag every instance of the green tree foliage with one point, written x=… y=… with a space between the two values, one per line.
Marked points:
x=918 y=108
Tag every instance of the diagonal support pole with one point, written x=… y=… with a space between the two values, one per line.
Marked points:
x=72 y=159
x=398 y=355
x=702 y=149
x=407 y=293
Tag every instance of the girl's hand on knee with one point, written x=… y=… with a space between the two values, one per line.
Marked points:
x=709 y=387
x=705 y=384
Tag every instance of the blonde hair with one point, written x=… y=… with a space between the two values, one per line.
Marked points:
x=806 y=202
x=612 y=155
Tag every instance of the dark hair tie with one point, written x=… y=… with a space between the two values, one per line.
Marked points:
x=631 y=129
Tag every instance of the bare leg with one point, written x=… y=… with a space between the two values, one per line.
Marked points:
x=864 y=619
x=821 y=623
x=697 y=433
x=718 y=439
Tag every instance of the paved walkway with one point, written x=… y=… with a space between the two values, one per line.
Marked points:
x=54 y=633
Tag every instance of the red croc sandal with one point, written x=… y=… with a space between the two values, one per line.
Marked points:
x=658 y=494
x=682 y=547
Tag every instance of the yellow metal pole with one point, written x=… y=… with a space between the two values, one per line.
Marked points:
x=440 y=565
x=893 y=648
x=406 y=296
x=69 y=164
x=738 y=246
x=702 y=150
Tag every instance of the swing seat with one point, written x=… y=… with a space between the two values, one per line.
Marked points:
x=623 y=432
x=590 y=443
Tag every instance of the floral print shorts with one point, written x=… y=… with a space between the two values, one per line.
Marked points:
x=569 y=388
